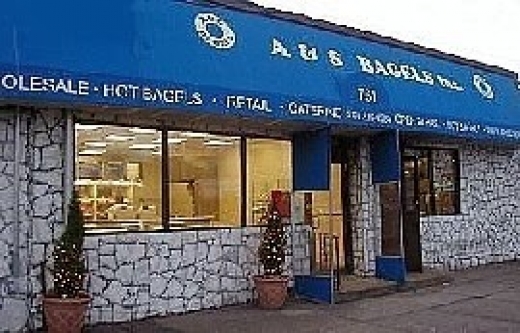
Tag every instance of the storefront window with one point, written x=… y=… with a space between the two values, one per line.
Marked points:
x=268 y=169
x=438 y=180
x=445 y=180
x=118 y=178
x=204 y=180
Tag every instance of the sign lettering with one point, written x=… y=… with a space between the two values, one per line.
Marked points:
x=405 y=72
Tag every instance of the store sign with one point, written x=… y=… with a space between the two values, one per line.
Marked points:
x=483 y=87
x=305 y=52
x=217 y=33
x=214 y=31
x=220 y=61
x=406 y=72
x=128 y=93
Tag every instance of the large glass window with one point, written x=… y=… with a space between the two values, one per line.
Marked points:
x=438 y=180
x=445 y=179
x=118 y=177
x=204 y=180
x=268 y=169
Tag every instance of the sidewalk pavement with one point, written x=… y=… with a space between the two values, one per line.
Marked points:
x=484 y=299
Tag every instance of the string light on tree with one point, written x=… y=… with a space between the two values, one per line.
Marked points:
x=272 y=248
x=69 y=265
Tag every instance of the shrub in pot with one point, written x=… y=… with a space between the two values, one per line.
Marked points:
x=66 y=304
x=271 y=287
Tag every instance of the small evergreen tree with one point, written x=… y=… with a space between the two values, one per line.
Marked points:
x=272 y=247
x=69 y=265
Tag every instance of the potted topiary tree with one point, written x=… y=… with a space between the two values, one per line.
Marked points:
x=66 y=304
x=271 y=287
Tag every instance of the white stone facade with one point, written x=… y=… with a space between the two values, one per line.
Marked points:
x=364 y=203
x=133 y=276
x=486 y=231
x=39 y=192
x=488 y=228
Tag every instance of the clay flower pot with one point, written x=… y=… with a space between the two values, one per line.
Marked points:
x=65 y=315
x=271 y=291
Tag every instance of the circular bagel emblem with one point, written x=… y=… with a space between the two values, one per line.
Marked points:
x=214 y=31
x=483 y=87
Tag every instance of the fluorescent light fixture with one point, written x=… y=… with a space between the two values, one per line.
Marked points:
x=215 y=142
x=176 y=140
x=171 y=140
x=195 y=135
x=143 y=146
x=96 y=144
x=156 y=152
x=85 y=127
x=142 y=130
x=120 y=138
x=91 y=152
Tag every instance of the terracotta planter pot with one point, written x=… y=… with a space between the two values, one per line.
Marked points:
x=65 y=315
x=271 y=290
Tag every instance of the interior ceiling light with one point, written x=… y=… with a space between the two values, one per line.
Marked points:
x=156 y=152
x=85 y=127
x=217 y=143
x=142 y=130
x=143 y=146
x=97 y=144
x=91 y=152
x=171 y=140
x=195 y=135
x=176 y=140
x=114 y=137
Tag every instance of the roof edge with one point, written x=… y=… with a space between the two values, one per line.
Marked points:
x=250 y=7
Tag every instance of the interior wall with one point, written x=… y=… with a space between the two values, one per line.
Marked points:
x=228 y=162
x=150 y=192
x=269 y=167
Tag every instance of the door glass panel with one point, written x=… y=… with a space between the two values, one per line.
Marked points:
x=424 y=185
x=409 y=185
x=328 y=218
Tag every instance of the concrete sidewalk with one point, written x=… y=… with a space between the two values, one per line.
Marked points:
x=485 y=299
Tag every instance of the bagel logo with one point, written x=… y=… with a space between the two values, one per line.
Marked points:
x=483 y=87
x=214 y=31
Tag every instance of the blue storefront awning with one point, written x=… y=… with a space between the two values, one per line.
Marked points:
x=200 y=58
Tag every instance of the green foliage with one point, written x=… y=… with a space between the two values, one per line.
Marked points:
x=69 y=264
x=272 y=247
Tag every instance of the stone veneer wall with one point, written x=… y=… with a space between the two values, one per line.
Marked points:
x=364 y=203
x=488 y=228
x=133 y=276
x=40 y=195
